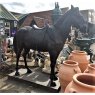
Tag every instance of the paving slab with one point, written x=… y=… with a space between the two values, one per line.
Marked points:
x=36 y=78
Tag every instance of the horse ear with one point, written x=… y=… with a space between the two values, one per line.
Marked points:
x=72 y=7
x=77 y=8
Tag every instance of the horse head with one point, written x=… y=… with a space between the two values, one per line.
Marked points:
x=78 y=20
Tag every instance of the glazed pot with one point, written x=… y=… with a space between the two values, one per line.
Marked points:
x=81 y=83
x=66 y=72
x=81 y=57
x=90 y=69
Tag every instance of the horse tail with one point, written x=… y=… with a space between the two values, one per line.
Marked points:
x=15 y=44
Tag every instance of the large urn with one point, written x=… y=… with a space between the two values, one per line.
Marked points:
x=81 y=83
x=80 y=57
x=90 y=69
x=84 y=42
x=66 y=72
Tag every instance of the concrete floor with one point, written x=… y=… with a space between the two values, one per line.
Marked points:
x=37 y=79
x=11 y=86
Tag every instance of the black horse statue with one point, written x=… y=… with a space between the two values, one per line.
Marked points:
x=47 y=39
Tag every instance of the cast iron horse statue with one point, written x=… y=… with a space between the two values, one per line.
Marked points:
x=48 y=39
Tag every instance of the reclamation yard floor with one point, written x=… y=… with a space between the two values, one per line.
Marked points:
x=26 y=82
x=12 y=85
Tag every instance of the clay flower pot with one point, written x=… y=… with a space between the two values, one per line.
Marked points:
x=81 y=83
x=80 y=57
x=66 y=72
x=90 y=69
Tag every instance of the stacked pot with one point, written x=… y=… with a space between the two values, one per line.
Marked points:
x=80 y=57
x=81 y=83
x=66 y=72
x=76 y=75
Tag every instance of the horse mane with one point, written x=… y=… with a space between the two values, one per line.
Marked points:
x=62 y=18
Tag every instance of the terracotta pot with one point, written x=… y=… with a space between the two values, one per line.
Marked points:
x=80 y=57
x=66 y=72
x=90 y=69
x=81 y=83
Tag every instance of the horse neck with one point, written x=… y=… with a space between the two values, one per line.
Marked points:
x=63 y=29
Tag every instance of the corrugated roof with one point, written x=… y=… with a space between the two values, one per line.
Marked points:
x=22 y=16
x=4 y=13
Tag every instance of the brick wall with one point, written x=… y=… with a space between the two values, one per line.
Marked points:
x=40 y=17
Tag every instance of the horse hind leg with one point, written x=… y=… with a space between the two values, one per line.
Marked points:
x=17 y=60
x=24 y=56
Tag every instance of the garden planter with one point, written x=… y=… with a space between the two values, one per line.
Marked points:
x=90 y=69
x=66 y=72
x=81 y=83
x=80 y=57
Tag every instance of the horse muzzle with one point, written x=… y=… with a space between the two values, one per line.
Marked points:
x=84 y=28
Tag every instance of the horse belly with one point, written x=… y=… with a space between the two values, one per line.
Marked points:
x=37 y=46
x=42 y=47
x=36 y=42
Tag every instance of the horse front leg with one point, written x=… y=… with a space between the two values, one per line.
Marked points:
x=24 y=56
x=52 y=75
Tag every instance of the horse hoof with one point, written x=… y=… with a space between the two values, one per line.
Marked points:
x=17 y=74
x=59 y=89
x=29 y=71
x=91 y=61
x=52 y=84
x=55 y=78
x=56 y=72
